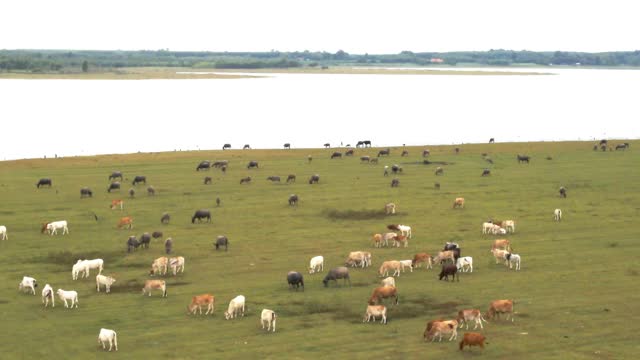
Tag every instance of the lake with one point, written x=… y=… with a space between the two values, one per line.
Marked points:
x=86 y=117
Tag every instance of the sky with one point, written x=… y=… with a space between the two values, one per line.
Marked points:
x=354 y=26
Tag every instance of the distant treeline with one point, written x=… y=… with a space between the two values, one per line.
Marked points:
x=72 y=60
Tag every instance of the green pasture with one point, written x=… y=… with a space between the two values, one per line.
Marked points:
x=576 y=296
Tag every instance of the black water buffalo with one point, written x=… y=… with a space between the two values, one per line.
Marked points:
x=156 y=234
x=168 y=245
x=207 y=180
x=486 y=172
x=385 y=152
x=327 y=145
x=314 y=179
x=132 y=243
x=340 y=272
x=450 y=246
x=293 y=199
x=201 y=214
x=245 y=180
x=43 y=182
x=404 y=153
x=253 y=164
x=114 y=186
x=204 y=165
x=349 y=152
x=246 y=146
x=139 y=179
x=221 y=241
x=295 y=280
x=287 y=146
x=603 y=142
x=437 y=186
x=622 y=146
x=145 y=240
x=449 y=269
x=291 y=178
x=492 y=140
x=365 y=143
x=274 y=178
x=218 y=201
x=365 y=159
x=396 y=169
x=132 y=193
x=114 y=175
x=523 y=159
x=563 y=192
x=395 y=182
x=85 y=191
x=226 y=146
x=336 y=155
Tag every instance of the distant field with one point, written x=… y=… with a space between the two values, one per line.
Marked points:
x=576 y=296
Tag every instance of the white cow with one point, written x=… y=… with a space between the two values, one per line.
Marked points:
x=47 y=294
x=268 y=317
x=86 y=266
x=375 y=310
x=407 y=263
x=405 y=230
x=557 y=215
x=316 y=264
x=107 y=281
x=486 y=227
x=3 y=232
x=465 y=264
x=390 y=281
x=28 y=283
x=236 y=305
x=53 y=227
x=109 y=336
x=499 y=254
x=68 y=295
x=176 y=264
x=76 y=269
x=509 y=225
x=513 y=259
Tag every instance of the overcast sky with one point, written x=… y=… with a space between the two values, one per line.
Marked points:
x=357 y=27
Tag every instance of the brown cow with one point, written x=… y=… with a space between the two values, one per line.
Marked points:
x=377 y=240
x=117 y=203
x=469 y=315
x=459 y=202
x=502 y=244
x=199 y=300
x=472 y=339
x=443 y=255
x=422 y=258
x=154 y=284
x=383 y=292
x=438 y=328
x=498 y=307
x=125 y=221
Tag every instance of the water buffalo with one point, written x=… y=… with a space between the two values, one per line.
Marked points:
x=274 y=178
x=114 y=186
x=43 y=182
x=168 y=246
x=622 y=146
x=201 y=214
x=395 y=182
x=523 y=159
x=314 y=179
x=207 y=180
x=492 y=140
x=226 y=146
x=396 y=169
x=486 y=172
x=145 y=240
x=245 y=180
x=365 y=159
x=563 y=192
x=220 y=163
x=85 y=191
x=253 y=164
x=151 y=190
x=139 y=179
x=132 y=243
x=385 y=152
x=364 y=143
x=336 y=155
x=204 y=165
x=404 y=153
x=287 y=146
x=132 y=193
x=293 y=199
x=603 y=142
x=340 y=272
x=327 y=145
x=221 y=241
x=449 y=269
x=295 y=280
x=349 y=152
x=156 y=234
x=291 y=178
x=426 y=153
x=114 y=175
x=246 y=146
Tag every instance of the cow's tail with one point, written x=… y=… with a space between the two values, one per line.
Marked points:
x=115 y=340
x=273 y=316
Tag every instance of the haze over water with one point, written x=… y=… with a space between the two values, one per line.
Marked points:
x=87 y=117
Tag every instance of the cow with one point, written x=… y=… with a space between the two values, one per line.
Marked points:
x=426 y=153
x=622 y=146
x=117 y=203
x=165 y=218
x=145 y=240
x=65 y=295
x=383 y=292
x=293 y=199
x=336 y=155
x=132 y=243
x=126 y=221
x=221 y=241
x=156 y=234
x=132 y=193
x=201 y=214
x=557 y=215
x=500 y=255
x=458 y=203
x=465 y=264
x=246 y=147
x=365 y=159
x=86 y=192
x=509 y=225
x=401 y=240
x=226 y=146
x=168 y=245
x=374 y=161
x=377 y=240
x=53 y=227
x=110 y=336
x=236 y=306
x=86 y=266
x=107 y=281
x=47 y=294
x=472 y=339
x=385 y=152
x=139 y=179
x=492 y=140
x=43 y=182
x=470 y=315
x=396 y=169
x=334 y=274
x=394 y=265
x=443 y=255
x=348 y=152
x=375 y=310
x=404 y=153
x=523 y=159
x=199 y=300
x=395 y=182
x=316 y=264
x=220 y=163
x=422 y=258
x=287 y=146
x=449 y=269
x=388 y=281
x=3 y=233
x=404 y=229
x=204 y=165
x=439 y=171
x=314 y=179
x=28 y=283
x=502 y=244
x=245 y=180
x=113 y=186
x=390 y=208
x=563 y=191
x=176 y=264
x=327 y=145
x=154 y=285
x=268 y=317
x=486 y=172
x=291 y=178
x=295 y=280
x=513 y=259
x=498 y=307
x=274 y=178
x=114 y=175
x=159 y=266
x=438 y=328
x=357 y=258
x=388 y=236
x=151 y=191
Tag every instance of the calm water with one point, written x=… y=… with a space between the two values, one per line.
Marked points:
x=71 y=117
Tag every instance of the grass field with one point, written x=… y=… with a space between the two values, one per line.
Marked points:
x=576 y=296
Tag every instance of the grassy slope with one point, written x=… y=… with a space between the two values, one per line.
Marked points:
x=572 y=271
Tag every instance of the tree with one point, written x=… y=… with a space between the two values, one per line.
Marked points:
x=85 y=66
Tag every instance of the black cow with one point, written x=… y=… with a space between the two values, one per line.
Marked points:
x=245 y=180
x=293 y=199
x=252 y=164
x=563 y=192
x=295 y=280
x=246 y=146
x=43 y=182
x=115 y=174
x=151 y=190
x=145 y=240
x=603 y=142
x=218 y=201
x=204 y=165
x=274 y=178
x=437 y=186
x=201 y=214
x=168 y=245
x=221 y=241
x=132 y=243
x=156 y=234
x=287 y=146
x=395 y=182
x=523 y=158
x=396 y=169
x=449 y=269
x=314 y=179
x=327 y=145
x=450 y=246
x=385 y=152
x=622 y=146
x=492 y=140
x=291 y=178
x=114 y=186
x=85 y=191
x=132 y=193
x=207 y=180
x=349 y=152
x=340 y=272
x=139 y=179
x=366 y=143
x=226 y=146
x=359 y=143
x=336 y=155
x=486 y=172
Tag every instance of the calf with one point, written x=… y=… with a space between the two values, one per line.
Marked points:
x=501 y=244
x=356 y=258
x=47 y=294
x=154 y=285
x=165 y=218
x=109 y=336
x=107 y=281
x=145 y=240
x=199 y=300
x=472 y=339
x=458 y=203
x=377 y=240
x=498 y=307
x=28 y=283
x=293 y=199
x=469 y=315
x=449 y=269
x=407 y=263
x=314 y=179
x=375 y=310
x=390 y=208
x=168 y=245
x=68 y=295
x=126 y=221
x=444 y=255
x=236 y=306
x=422 y=258
x=268 y=317
x=557 y=215
x=117 y=203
